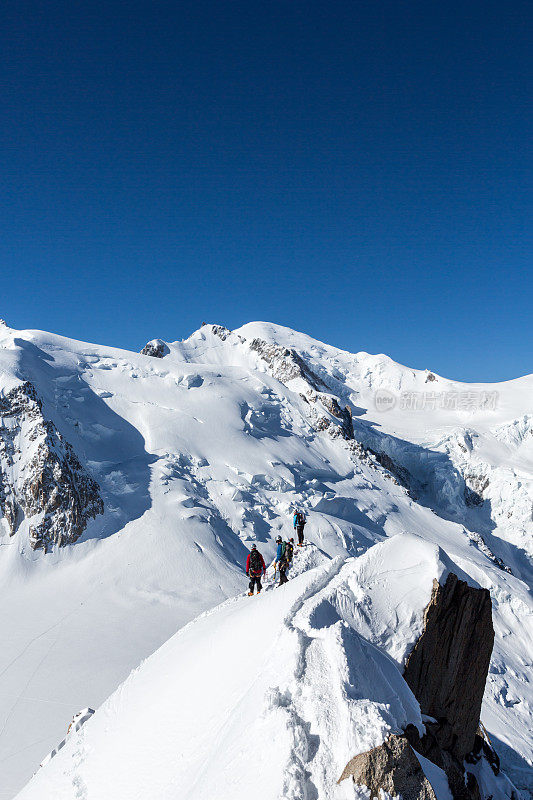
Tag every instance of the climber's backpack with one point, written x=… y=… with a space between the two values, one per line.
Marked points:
x=256 y=567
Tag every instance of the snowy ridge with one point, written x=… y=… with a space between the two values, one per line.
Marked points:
x=266 y=667
x=205 y=449
x=289 y=699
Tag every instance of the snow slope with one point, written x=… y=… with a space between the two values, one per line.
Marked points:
x=205 y=450
x=274 y=692
x=271 y=695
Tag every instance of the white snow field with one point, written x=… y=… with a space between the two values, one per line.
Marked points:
x=197 y=455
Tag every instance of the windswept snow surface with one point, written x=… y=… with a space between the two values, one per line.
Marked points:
x=199 y=453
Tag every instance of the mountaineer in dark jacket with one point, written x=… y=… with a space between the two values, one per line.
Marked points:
x=281 y=560
x=255 y=568
x=298 y=522
x=289 y=551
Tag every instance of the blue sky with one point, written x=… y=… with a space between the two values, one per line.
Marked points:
x=360 y=171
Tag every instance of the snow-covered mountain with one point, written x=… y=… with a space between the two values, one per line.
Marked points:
x=131 y=488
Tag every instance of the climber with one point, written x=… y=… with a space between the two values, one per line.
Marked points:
x=281 y=560
x=255 y=567
x=290 y=551
x=299 y=524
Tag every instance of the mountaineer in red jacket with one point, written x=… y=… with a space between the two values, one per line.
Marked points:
x=255 y=567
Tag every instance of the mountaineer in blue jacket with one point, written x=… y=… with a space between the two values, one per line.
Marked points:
x=281 y=560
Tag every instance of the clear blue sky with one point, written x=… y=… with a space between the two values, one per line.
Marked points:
x=359 y=170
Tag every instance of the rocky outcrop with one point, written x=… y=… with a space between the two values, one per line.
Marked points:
x=326 y=413
x=448 y=666
x=337 y=421
x=221 y=331
x=393 y=767
x=402 y=476
x=343 y=415
x=447 y=671
x=41 y=478
x=286 y=364
x=156 y=348
x=429 y=747
x=478 y=541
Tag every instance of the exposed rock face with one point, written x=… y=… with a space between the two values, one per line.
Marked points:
x=448 y=666
x=326 y=413
x=429 y=747
x=156 y=348
x=479 y=542
x=221 y=331
x=40 y=475
x=344 y=415
x=286 y=364
x=400 y=473
x=446 y=671
x=338 y=421
x=393 y=767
